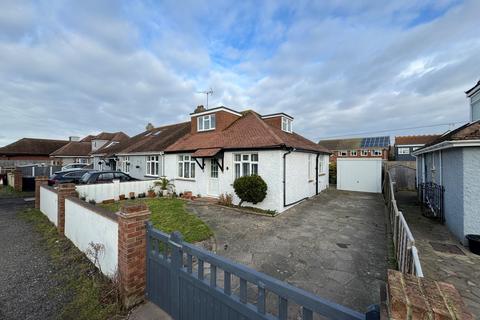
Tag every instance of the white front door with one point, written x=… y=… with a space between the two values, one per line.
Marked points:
x=213 y=186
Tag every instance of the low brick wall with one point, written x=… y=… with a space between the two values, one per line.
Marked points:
x=410 y=297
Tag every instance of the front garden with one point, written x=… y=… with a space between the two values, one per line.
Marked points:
x=168 y=215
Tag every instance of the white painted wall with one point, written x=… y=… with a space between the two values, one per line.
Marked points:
x=106 y=191
x=363 y=175
x=83 y=225
x=49 y=203
x=270 y=168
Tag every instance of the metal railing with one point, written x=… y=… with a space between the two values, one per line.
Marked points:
x=405 y=251
x=431 y=196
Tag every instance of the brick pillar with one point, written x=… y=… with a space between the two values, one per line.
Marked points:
x=132 y=252
x=64 y=190
x=39 y=181
x=409 y=297
x=18 y=180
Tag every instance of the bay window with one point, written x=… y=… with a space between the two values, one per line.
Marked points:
x=245 y=164
x=186 y=167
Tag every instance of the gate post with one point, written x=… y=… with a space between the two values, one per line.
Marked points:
x=39 y=181
x=64 y=190
x=132 y=250
x=18 y=180
x=175 y=244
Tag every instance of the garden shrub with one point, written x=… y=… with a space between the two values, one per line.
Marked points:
x=332 y=173
x=250 y=189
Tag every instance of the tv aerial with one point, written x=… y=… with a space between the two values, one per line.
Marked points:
x=207 y=93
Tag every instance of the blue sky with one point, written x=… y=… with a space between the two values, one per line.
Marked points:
x=339 y=67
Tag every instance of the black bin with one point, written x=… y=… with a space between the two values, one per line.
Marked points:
x=474 y=243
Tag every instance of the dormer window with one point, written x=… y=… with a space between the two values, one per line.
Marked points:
x=287 y=124
x=205 y=123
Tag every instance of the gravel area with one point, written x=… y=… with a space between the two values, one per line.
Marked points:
x=27 y=278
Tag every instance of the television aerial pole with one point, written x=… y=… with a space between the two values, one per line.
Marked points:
x=207 y=92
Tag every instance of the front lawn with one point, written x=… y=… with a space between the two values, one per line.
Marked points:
x=169 y=215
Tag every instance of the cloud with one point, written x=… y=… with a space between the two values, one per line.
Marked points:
x=339 y=68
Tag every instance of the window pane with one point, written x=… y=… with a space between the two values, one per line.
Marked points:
x=246 y=169
x=254 y=168
x=254 y=157
x=180 y=158
x=187 y=170
x=237 y=170
x=192 y=171
x=200 y=123
x=238 y=157
x=155 y=172
x=245 y=157
x=212 y=121
x=206 y=120
x=180 y=169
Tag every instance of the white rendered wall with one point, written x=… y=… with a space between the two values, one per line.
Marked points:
x=49 y=203
x=106 y=191
x=84 y=226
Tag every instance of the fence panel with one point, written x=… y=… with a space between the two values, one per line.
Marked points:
x=49 y=203
x=191 y=283
x=405 y=251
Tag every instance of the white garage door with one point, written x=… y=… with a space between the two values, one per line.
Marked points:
x=363 y=175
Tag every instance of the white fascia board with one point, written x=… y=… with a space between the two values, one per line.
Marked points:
x=214 y=111
x=71 y=156
x=150 y=153
x=276 y=115
x=409 y=145
x=448 y=145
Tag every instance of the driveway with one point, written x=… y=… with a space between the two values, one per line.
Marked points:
x=333 y=245
x=27 y=278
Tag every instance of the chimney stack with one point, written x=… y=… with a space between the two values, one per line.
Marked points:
x=149 y=126
x=199 y=109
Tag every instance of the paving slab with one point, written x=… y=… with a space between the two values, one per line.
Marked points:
x=333 y=245
x=461 y=270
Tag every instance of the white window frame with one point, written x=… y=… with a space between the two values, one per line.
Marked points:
x=125 y=164
x=377 y=152
x=403 y=150
x=151 y=161
x=353 y=153
x=364 y=153
x=242 y=161
x=342 y=153
x=202 y=122
x=287 y=125
x=185 y=166
x=321 y=166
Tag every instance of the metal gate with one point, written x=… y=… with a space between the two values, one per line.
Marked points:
x=188 y=282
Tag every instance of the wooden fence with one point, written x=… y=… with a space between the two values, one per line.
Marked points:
x=405 y=251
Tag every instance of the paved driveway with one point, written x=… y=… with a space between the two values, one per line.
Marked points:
x=333 y=245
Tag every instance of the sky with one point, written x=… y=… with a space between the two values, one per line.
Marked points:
x=340 y=68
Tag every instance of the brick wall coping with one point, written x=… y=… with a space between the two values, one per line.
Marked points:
x=50 y=188
x=98 y=210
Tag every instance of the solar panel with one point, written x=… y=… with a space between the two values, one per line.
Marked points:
x=371 y=142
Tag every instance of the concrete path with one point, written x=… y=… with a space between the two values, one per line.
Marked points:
x=461 y=270
x=27 y=278
x=333 y=245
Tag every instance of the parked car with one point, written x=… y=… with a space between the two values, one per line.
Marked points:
x=105 y=177
x=71 y=176
x=74 y=166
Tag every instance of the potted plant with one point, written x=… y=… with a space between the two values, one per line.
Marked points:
x=164 y=185
x=131 y=195
x=141 y=195
x=121 y=197
x=151 y=192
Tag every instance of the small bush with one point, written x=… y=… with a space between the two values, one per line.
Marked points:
x=250 y=189
x=92 y=201
x=332 y=173
x=225 y=200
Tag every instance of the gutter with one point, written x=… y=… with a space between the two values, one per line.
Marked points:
x=447 y=145
x=285 y=204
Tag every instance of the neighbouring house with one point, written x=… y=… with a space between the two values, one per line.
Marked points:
x=100 y=144
x=224 y=144
x=405 y=145
x=142 y=155
x=452 y=161
x=75 y=151
x=29 y=151
x=369 y=147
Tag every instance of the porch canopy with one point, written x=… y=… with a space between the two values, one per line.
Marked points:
x=206 y=153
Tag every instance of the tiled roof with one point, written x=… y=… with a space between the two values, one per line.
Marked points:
x=74 y=148
x=423 y=139
x=342 y=144
x=247 y=132
x=469 y=131
x=203 y=153
x=30 y=146
x=156 y=139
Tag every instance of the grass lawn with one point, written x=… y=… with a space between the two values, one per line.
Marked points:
x=91 y=296
x=9 y=192
x=169 y=215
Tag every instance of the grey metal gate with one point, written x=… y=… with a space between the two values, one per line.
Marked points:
x=191 y=283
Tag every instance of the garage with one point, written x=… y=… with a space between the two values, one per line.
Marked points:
x=363 y=175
